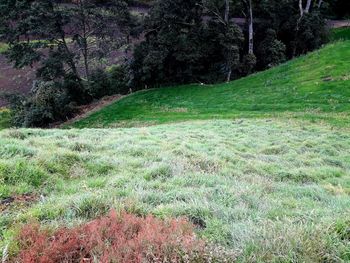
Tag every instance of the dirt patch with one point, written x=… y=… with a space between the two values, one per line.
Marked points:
x=86 y=110
x=14 y=80
x=338 y=23
x=18 y=200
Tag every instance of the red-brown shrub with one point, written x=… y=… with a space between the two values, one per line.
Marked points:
x=114 y=238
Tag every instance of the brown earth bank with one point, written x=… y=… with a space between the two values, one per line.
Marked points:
x=85 y=110
x=14 y=80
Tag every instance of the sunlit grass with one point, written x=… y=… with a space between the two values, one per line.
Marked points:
x=314 y=87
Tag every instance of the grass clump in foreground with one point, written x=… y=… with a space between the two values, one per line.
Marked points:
x=269 y=189
x=314 y=87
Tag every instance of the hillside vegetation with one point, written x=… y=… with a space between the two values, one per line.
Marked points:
x=313 y=87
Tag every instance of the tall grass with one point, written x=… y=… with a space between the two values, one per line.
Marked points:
x=273 y=190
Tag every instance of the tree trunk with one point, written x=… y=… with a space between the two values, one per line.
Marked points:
x=86 y=62
x=320 y=4
x=251 y=29
x=84 y=44
x=227 y=19
x=227 y=10
x=229 y=73
x=301 y=9
x=308 y=6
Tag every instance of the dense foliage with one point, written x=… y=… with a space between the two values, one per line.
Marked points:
x=67 y=43
x=197 y=41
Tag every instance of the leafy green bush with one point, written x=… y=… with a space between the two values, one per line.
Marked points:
x=48 y=102
x=119 y=79
x=105 y=83
x=99 y=85
x=271 y=51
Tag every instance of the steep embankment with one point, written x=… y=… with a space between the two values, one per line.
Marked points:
x=315 y=86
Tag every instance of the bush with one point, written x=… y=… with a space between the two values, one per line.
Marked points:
x=110 y=82
x=270 y=51
x=48 y=102
x=99 y=85
x=119 y=80
x=114 y=238
x=248 y=64
x=313 y=33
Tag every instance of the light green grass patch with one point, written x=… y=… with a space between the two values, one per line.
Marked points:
x=266 y=188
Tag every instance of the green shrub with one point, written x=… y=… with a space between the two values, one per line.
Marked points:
x=105 y=83
x=48 y=102
x=99 y=85
x=271 y=51
x=118 y=75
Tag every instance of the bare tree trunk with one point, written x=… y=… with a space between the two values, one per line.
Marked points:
x=229 y=73
x=227 y=10
x=308 y=6
x=301 y=9
x=320 y=4
x=84 y=44
x=251 y=29
x=227 y=20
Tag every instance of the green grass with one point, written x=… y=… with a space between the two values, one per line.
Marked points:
x=313 y=87
x=342 y=33
x=3 y=47
x=272 y=190
x=4 y=118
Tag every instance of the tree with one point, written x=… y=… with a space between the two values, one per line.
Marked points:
x=249 y=5
x=171 y=50
x=270 y=51
x=229 y=34
x=67 y=39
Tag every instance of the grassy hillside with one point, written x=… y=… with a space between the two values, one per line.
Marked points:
x=273 y=191
x=316 y=86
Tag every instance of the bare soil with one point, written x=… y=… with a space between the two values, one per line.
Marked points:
x=85 y=110
x=17 y=200
x=14 y=80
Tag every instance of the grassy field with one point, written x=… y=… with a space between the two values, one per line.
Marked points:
x=260 y=165
x=313 y=87
x=272 y=190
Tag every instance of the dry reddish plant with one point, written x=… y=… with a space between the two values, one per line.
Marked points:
x=115 y=238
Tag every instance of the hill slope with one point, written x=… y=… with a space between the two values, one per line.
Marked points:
x=316 y=86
